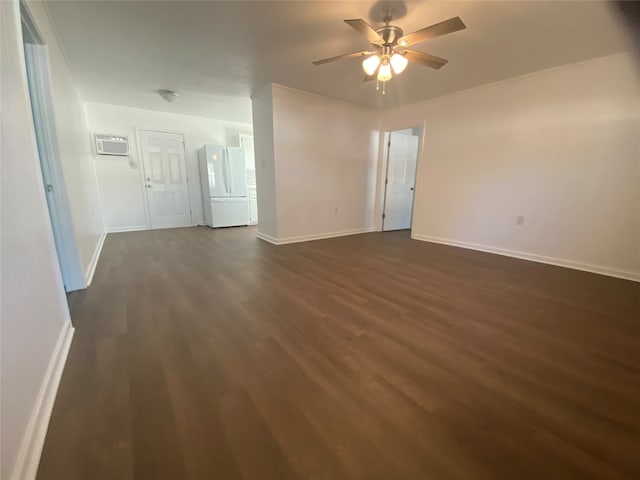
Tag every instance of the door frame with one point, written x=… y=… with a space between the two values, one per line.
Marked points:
x=38 y=73
x=383 y=161
x=139 y=131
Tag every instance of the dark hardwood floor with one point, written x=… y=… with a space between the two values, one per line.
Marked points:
x=203 y=354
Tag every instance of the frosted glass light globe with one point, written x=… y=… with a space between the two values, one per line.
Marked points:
x=384 y=73
x=399 y=63
x=370 y=64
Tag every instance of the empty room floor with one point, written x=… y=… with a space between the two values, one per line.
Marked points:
x=202 y=354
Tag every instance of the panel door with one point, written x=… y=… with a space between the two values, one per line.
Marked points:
x=401 y=174
x=166 y=179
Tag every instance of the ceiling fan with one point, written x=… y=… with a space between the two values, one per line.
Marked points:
x=390 y=54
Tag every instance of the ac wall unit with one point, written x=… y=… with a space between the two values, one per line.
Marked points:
x=112 y=145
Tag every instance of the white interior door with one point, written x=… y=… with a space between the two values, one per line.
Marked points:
x=39 y=81
x=400 y=182
x=166 y=179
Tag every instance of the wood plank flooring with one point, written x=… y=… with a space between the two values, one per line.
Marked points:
x=203 y=354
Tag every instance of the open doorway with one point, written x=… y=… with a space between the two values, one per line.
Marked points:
x=39 y=82
x=401 y=155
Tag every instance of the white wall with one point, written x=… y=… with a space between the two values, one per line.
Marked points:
x=325 y=154
x=33 y=311
x=75 y=147
x=262 y=109
x=560 y=147
x=120 y=178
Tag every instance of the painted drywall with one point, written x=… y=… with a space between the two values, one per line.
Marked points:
x=559 y=147
x=120 y=179
x=74 y=145
x=325 y=155
x=33 y=310
x=262 y=108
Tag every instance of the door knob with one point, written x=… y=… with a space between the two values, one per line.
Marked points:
x=411 y=189
x=148 y=185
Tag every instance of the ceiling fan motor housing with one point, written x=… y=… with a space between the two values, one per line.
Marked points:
x=390 y=34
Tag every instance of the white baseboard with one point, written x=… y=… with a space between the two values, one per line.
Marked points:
x=307 y=238
x=94 y=260
x=560 y=262
x=267 y=238
x=136 y=228
x=28 y=457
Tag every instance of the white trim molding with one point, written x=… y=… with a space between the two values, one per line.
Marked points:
x=28 y=457
x=559 y=262
x=91 y=269
x=267 y=238
x=317 y=236
x=128 y=229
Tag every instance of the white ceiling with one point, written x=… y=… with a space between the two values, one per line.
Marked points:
x=216 y=53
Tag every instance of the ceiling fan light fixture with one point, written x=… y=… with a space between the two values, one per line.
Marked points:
x=399 y=63
x=391 y=55
x=370 y=64
x=384 y=73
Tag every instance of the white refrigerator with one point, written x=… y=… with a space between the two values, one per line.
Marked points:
x=223 y=175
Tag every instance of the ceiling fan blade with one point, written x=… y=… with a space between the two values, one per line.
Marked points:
x=448 y=26
x=425 y=59
x=365 y=29
x=362 y=53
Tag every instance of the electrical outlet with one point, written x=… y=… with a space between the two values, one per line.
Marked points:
x=520 y=220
